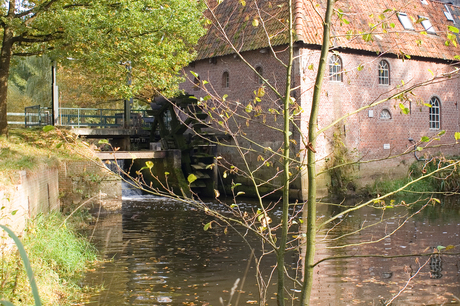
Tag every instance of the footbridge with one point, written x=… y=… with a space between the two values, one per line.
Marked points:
x=173 y=133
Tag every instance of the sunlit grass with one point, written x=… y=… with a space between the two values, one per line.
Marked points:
x=58 y=257
x=27 y=149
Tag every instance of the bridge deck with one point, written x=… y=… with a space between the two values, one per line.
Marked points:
x=131 y=155
x=109 y=132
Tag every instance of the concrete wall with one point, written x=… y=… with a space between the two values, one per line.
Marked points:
x=80 y=180
x=47 y=189
x=36 y=192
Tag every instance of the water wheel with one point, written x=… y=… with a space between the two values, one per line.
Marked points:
x=180 y=124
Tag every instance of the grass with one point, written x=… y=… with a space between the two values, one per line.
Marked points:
x=27 y=149
x=58 y=256
x=444 y=181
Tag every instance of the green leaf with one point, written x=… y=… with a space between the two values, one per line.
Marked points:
x=310 y=67
x=191 y=178
x=166 y=173
x=233 y=206
x=207 y=226
x=194 y=73
x=102 y=141
x=14 y=212
x=441 y=132
x=240 y=193
x=453 y=29
x=425 y=139
x=235 y=185
x=360 y=67
x=457 y=135
x=419 y=149
x=255 y=23
x=48 y=128
x=440 y=247
x=149 y=164
x=404 y=109
x=59 y=145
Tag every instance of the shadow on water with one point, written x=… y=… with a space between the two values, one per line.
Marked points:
x=157 y=253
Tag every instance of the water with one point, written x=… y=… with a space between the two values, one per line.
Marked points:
x=157 y=253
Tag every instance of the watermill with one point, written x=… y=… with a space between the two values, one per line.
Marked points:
x=179 y=124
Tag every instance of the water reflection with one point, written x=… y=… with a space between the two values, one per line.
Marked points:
x=159 y=254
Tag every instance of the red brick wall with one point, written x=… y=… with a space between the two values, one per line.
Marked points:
x=242 y=84
x=364 y=136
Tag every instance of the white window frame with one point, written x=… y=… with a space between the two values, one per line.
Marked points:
x=426 y=23
x=435 y=113
x=448 y=14
x=405 y=21
x=335 y=68
x=385 y=114
x=384 y=72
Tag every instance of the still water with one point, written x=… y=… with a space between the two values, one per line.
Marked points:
x=157 y=253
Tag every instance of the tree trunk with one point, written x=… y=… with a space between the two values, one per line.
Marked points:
x=281 y=252
x=5 y=59
x=311 y=160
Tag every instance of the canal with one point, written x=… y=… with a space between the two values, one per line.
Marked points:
x=156 y=252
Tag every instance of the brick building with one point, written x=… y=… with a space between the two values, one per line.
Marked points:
x=379 y=48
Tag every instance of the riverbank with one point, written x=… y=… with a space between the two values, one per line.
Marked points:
x=58 y=256
x=44 y=172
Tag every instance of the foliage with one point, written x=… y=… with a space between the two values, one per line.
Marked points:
x=57 y=255
x=340 y=166
x=297 y=226
x=143 y=41
x=30 y=80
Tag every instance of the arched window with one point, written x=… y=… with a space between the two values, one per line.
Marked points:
x=226 y=80
x=385 y=114
x=196 y=83
x=335 y=68
x=435 y=113
x=384 y=73
x=260 y=72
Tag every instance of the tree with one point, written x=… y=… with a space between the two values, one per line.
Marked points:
x=242 y=120
x=99 y=36
x=30 y=80
x=273 y=99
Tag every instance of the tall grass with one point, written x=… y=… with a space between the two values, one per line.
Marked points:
x=58 y=256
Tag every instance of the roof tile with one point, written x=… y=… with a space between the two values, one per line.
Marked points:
x=351 y=18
